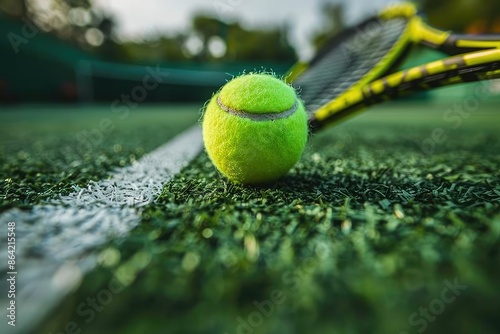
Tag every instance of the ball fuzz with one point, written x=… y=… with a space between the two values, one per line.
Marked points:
x=255 y=129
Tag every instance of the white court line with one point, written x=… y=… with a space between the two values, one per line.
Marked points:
x=55 y=241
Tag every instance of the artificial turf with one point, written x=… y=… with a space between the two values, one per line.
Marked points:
x=48 y=150
x=370 y=233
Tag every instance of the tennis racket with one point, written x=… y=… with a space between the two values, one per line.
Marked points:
x=355 y=69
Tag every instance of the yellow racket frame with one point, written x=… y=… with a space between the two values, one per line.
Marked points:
x=416 y=32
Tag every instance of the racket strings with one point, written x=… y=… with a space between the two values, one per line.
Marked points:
x=348 y=63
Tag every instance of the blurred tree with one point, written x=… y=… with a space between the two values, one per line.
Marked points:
x=233 y=42
x=14 y=7
x=156 y=49
x=268 y=45
x=207 y=28
x=459 y=15
x=73 y=20
x=207 y=39
x=333 y=23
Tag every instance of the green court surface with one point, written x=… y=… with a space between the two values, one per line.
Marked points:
x=390 y=223
x=47 y=150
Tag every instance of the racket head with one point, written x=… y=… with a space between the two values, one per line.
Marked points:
x=367 y=52
x=354 y=58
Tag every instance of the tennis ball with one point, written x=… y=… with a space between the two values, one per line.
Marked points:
x=255 y=129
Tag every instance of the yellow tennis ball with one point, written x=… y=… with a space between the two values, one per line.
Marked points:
x=255 y=129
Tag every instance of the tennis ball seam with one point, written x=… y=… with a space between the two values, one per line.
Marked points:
x=258 y=94
x=271 y=116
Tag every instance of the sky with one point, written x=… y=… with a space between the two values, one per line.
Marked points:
x=141 y=18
